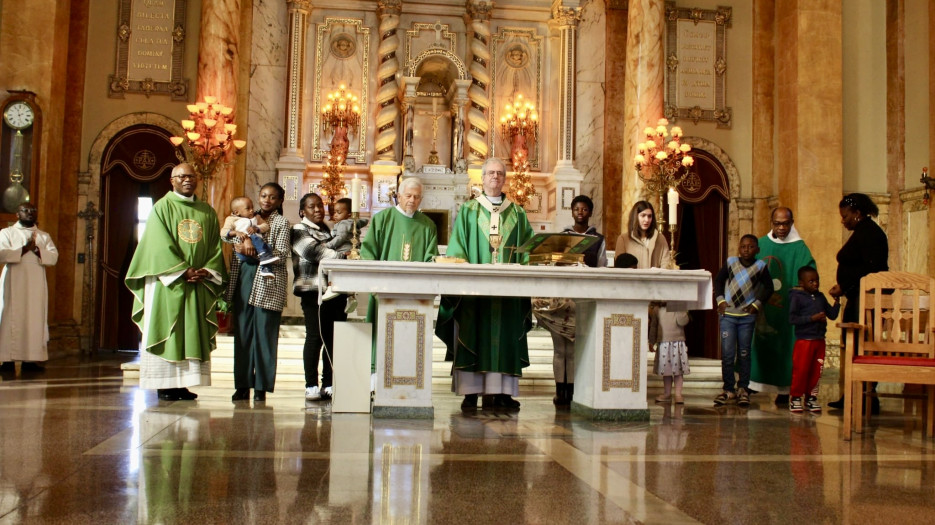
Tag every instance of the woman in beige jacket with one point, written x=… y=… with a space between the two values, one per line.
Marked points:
x=643 y=240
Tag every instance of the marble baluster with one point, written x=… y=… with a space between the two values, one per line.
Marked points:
x=479 y=12
x=643 y=95
x=218 y=66
x=387 y=87
x=293 y=140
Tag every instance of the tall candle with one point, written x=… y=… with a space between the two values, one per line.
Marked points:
x=355 y=195
x=673 y=197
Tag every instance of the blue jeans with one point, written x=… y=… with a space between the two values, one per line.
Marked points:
x=261 y=248
x=736 y=338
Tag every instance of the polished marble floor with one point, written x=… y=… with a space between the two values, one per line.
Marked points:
x=80 y=446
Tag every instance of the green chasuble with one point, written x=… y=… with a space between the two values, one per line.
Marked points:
x=491 y=334
x=774 y=336
x=395 y=237
x=179 y=234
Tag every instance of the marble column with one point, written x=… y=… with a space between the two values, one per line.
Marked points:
x=387 y=87
x=567 y=178
x=931 y=144
x=410 y=88
x=293 y=140
x=478 y=11
x=218 y=68
x=809 y=67
x=764 y=84
x=615 y=56
x=895 y=124
x=590 y=118
x=643 y=94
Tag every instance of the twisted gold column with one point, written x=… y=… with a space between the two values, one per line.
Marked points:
x=387 y=87
x=479 y=12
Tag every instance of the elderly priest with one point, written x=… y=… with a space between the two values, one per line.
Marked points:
x=402 y=233
x=486 y=336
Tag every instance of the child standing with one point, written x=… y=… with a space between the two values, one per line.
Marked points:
x=741 y=287
x=808 y=313
x=243 y=222
x=343 y=226
x=671 y=354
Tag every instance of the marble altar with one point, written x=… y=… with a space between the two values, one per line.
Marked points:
x=612 y=322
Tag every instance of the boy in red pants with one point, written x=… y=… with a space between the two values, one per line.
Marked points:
x=808 y=312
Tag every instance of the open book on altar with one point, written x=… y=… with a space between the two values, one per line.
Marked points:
x=557 y=249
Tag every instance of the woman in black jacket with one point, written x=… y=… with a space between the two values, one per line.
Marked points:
x=865 y=252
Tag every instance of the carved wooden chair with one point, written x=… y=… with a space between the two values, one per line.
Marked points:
x=894 y=343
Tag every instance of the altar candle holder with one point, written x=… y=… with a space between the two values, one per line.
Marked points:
x=354 y=254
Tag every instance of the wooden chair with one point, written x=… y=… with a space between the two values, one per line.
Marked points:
x=894 y=343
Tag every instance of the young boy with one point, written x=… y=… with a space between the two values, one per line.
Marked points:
x=741 y=287
x=243 y=222
x=343 y=226
x=808 y=313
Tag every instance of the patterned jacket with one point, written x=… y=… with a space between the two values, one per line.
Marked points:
x=308 y=249
x=269 y=294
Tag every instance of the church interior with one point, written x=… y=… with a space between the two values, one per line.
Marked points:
x=783 y=103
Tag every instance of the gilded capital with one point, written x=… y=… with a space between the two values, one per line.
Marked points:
x=566 y=16
x=300 y=5
x=389 y=7
x=479 y=9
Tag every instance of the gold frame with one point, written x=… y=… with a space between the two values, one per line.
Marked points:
x=721 y=18
x=409 y=316
x=534 y=42
x=119 y=84
x=625 y=320
x=363 y=34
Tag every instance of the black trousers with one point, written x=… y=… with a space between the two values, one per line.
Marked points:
x=319 y=333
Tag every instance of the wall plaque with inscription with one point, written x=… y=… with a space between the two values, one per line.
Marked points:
x=150 y=46
x=696 y=64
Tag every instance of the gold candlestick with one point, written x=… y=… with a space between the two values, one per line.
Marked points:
x=354 y=254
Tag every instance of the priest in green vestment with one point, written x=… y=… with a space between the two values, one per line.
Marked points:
x=486 y=336
x=784 y=252
x=401 y=233
x=175 y=277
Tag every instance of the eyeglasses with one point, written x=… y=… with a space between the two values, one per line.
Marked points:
x=783 y=223
x=499 y=174
x=186 y=176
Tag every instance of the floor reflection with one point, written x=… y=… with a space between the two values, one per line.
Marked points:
x=81 y=447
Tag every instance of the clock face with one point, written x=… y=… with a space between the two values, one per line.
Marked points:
x=18 y=115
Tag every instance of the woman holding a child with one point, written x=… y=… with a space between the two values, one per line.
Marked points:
x=258 y=302
x=310 y=245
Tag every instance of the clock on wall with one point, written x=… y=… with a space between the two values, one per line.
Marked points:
x=19 y=152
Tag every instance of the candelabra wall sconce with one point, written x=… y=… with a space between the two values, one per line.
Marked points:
x=208 y=140
x=662 y=163
x=520 y=123
x=929 y=184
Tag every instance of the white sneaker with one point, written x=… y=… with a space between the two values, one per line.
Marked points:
x=312 y=393
x=327 y=393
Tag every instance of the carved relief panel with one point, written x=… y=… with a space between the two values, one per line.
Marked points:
x=342 y=57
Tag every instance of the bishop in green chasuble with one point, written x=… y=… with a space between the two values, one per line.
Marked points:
x=177 y=318
x=784 y=252
x=486 y=336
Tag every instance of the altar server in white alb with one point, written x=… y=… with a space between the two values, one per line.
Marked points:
x=25 y=251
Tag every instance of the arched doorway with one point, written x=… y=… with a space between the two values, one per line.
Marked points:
x=135 y=164
x=703 y=240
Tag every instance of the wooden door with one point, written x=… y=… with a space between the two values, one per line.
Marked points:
x=702 y=242
x=136 y=163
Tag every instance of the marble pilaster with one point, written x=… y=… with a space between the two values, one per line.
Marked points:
x=218 y=71
x=615 y=48
x=643 y=95
x=269 y=58
x=809 y=64
x=567 y=177
x=896 y=122
x=764 y=71
x=295 y=79
x=590 y=118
